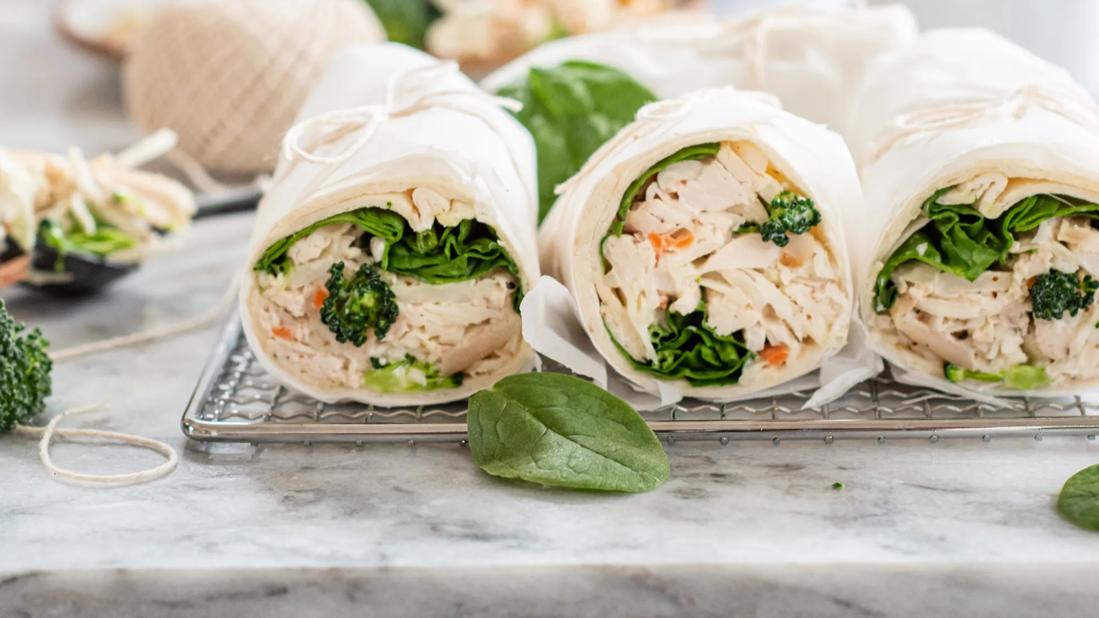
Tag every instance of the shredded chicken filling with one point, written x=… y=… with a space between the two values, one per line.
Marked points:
x=442 y=332
x=988 y=324
x=691 y=243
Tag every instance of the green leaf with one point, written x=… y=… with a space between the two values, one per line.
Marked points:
x=405 y=21
x=1079 y=499
x=562 y=431
x=571 y=110
x=466 y=251
x=959 y=241
x=688 y=349
x=375 y=221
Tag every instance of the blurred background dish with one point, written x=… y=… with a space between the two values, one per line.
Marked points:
x=106 y=27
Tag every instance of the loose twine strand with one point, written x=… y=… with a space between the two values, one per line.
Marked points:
x=50 y=431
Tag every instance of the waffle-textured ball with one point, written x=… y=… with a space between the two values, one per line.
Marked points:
x=228 y=76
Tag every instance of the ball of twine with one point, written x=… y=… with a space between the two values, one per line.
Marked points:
x=228 y=76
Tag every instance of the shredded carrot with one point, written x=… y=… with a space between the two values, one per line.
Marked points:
x=679 y=239
x=319 y=297
x=775 y=355
x=790 y=260
x=282 y=333
x=1030 y=282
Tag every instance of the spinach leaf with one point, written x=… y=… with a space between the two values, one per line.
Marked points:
x=562 y=431
x=439 y=255
x=570 y=111
x=959 y=241
x=448 y=254
x=687 y=348
x=406 y=376
x=375 y=221
x=405 y=21
x=1079 y=499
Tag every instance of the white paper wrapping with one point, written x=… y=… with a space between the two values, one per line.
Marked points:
x=448 y=136
x=815 y=159
x=810 y=58
x=955 y=104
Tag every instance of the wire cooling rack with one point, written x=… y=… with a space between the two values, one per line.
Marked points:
x=236 y=400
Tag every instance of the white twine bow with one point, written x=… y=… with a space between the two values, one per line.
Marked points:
x=408 y=92
x=969 y=112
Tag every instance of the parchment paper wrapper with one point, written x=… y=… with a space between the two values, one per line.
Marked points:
x=984 y=105
x=810 y=58
x=479 y=155
x=563 y=322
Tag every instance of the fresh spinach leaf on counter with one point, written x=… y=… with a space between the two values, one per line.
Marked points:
x=1079 y=499
x=405 y=21
x=960 y=241
x=562 y=431
x=571 y=110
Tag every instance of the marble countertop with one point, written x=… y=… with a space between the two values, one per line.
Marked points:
x=740 y=529
x=746 y=526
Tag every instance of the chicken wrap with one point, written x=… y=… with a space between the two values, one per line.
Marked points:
x=978 y=254
x=578 y=92
x=395 y=244
x=703 y=249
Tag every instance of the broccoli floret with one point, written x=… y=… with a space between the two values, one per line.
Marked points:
x=790 y=213
x=356 y=305
x=1056 y=292
x=24 y=372
x=1019 y=377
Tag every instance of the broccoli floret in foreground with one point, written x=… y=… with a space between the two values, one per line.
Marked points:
x=1019 y=377
x=24 y=372
x=356 y=305
x=790 y=213
x=1055 y=292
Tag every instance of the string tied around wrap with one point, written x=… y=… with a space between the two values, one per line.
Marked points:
x=969 y=112
x=408 y=93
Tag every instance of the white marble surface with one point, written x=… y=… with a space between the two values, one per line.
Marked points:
x=746 y=529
